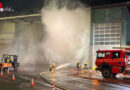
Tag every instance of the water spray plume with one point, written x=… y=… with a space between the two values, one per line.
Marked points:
x=67 y=33
x=62 y=66
x=62 y=37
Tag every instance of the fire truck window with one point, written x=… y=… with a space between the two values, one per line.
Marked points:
x=116 y=54
x=100 y=55
x=128 y=57
x=107 y=54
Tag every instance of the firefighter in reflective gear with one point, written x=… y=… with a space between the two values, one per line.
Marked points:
x=8 y=59
x=85 y=66
x=52 y=67
x=52 y=70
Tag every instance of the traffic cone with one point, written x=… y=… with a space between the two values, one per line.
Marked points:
x=1 y=73
x=53 y=86
x=8 y=71
x=32 y=83
x=13 y=77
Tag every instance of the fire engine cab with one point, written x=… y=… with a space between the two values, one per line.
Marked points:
x=112 y=62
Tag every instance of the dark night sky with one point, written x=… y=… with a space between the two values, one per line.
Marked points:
x=34 y=6
x=23 y=5
x=20 y=4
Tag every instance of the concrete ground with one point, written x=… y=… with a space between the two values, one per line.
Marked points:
x=23 y=80
x=62 y=81
x=78 y=83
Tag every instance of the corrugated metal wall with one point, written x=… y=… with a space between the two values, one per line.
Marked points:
x=127 y=25
x=107 y=15
x=7 y=31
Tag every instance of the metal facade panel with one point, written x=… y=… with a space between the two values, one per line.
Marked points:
x=99 y=15
x=7 y=31
x=127 y=26
x=114 y=14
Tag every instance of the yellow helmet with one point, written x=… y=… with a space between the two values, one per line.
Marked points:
x=54 y=64
x=85 y=63
x=94 y=67
x=8 y=56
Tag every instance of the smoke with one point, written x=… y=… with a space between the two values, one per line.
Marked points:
x=67 y=34
x=63 y=36
x=27 y=44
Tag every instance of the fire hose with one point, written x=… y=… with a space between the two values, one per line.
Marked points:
x=49 y=82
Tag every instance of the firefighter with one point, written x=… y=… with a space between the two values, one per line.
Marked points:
x=8 y=59
x=52 y=70
x=78 y=67
x=85 y=66
x=52 y=67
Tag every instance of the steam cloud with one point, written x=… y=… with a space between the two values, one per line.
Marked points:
x=67 y=34
x=27 y=44
x=63 y=36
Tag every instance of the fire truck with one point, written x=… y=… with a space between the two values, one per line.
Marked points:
x=112 y=62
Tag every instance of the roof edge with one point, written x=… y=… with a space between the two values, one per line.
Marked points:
x=111 y=5
x=21 y=16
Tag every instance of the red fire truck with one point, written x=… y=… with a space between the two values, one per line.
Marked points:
x=112 y=62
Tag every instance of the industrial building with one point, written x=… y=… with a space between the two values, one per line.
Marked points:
x=109 y=27
x=64 y=44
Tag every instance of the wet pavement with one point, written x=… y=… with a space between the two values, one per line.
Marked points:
x=23 y=80
x=96 y=75
x=77 y=83
x=62 y=79
x=20 y=84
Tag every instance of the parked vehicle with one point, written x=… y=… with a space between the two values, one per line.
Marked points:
x=9 y=61
x=112 y=62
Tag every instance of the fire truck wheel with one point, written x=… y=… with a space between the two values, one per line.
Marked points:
x=106 y=73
